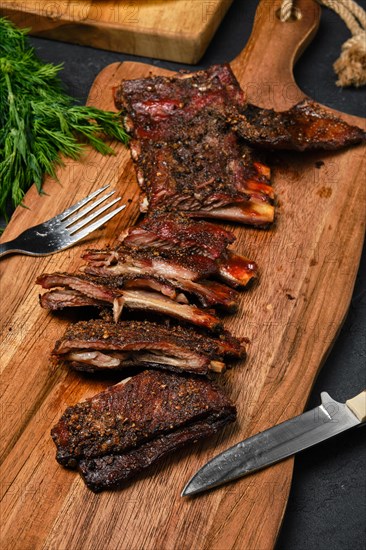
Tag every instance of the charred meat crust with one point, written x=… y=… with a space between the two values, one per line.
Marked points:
x=306 y=126
x=97 y=345
x=191 y=143
x=128 y=416
x=111 y=471
x=132 y=333
x=151 y=103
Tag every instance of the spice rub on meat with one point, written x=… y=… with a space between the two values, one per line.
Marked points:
x=111 y=471
x=150 y=105
x=306 y=126
x=99 y=345
x=186 y=155
x=210 y=175
x=119 y=432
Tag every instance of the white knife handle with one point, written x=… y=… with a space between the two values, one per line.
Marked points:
x=358 y=405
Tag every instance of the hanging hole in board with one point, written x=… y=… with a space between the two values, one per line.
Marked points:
x=296 y=15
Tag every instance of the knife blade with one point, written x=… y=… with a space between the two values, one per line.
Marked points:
x=279 y=442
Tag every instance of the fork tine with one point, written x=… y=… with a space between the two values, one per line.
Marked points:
x=79 y=204
x=81 y=234
x=91 y=217
x=81 y=213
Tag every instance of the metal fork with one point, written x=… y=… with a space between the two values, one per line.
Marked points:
x=62 y=231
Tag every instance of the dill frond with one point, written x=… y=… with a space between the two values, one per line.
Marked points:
x=39 y=122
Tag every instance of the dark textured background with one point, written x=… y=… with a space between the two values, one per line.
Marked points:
x=326 y=509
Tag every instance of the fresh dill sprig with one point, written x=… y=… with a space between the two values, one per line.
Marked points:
x=39 y=121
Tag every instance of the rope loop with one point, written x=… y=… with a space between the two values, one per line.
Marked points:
x=351 y=64
x=288 y=12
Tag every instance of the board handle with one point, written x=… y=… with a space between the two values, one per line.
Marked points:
x=357 y=405
x=272 y=51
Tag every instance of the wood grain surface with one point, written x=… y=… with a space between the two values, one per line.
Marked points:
x=308 y=262
x=177 y=30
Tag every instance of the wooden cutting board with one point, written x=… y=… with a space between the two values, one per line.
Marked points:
x=308 y=263
x=177 y=30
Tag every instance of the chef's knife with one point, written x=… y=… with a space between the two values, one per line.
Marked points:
x=279 y=442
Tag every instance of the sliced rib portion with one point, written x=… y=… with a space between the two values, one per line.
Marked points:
x=161 y=266
x=99 y=345
x=186 y=155
x=210 y=175
x=172 y=232
x=177 y=248
x=306 y=126
x=103 y=290
x=119 y=432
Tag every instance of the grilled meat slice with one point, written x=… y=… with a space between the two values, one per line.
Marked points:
x=182 y=269
x=191 y=136
x=186 y=155
x=137 y=414
x=173 y=231
x=306 y=126
x=177 y=248
x=175 y=236
x=98 y=345
x=121 y=261
x=108 y=291
x=206 y=293
x=111 y=471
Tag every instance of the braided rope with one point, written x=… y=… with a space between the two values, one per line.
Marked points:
x=342 y=9
x=286 y=10
x=351 y=65
x=356 y=10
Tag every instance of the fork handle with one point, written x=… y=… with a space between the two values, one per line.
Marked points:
x=10 y=247
x=5 y=248
x=20 y=245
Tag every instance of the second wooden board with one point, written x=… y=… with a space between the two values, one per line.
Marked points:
x=177 y=30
